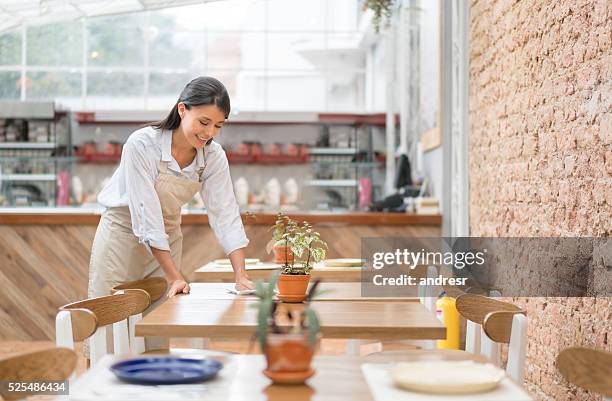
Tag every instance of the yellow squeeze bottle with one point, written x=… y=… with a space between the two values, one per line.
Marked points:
x=446 y=310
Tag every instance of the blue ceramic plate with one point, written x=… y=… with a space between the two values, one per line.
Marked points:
x=166 y=370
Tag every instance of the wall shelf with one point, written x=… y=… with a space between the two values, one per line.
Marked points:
x=27 y=145
x=264 y=159
x=27 y=177
x=332 y=151
x=331 y=183
x=250 y=117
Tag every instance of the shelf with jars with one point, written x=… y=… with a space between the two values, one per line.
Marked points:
x=35 y=155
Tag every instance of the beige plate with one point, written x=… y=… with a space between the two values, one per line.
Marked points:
x=346 y=262
x=228 y=262
x=446 y=377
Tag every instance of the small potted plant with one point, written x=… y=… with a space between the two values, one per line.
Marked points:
x=288 y=336
x=382 y=9
x=306 y=247
x=281 y=230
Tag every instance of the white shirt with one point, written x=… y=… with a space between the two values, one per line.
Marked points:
x=133 y=185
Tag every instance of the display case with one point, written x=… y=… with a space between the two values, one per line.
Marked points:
x=347 y=172
x=278 y=161
x=35 y=155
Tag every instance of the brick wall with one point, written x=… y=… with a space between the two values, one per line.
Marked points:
x=541 y=153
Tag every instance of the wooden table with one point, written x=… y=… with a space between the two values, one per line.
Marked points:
x=221 y=319
x=214 y=273
x=337 y=378
x=329 y=292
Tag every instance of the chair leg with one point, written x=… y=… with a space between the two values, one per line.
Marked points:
x=137 y=344
x=98 y=346
x=517 y=349
x=121 y=338
x=63 y=333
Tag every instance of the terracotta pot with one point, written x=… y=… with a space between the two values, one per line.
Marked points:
x=282 y=257
x=288 y=352
x=293 y=285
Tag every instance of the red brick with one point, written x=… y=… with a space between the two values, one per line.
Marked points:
x=550 y=64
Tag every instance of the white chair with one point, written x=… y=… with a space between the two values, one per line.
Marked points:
x=54 y=364
x=91 y=319
x=501 y=322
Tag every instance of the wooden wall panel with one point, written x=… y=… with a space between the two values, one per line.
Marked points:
x=45 y=266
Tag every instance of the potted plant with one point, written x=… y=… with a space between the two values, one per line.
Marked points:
x=288 y=336
x=381 y=9
x=306 y=247
x=279 y=243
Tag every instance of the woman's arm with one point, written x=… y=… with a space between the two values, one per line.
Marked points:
x=177 y=282
x=224 y=214
x=243 y=282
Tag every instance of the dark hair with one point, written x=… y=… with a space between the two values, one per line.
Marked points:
x=200 y=91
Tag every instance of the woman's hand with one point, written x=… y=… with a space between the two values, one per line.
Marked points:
x=179 y=286
x=243 y=283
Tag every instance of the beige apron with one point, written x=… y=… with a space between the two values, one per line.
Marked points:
x=117 y=256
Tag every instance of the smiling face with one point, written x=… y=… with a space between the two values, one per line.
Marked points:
x=201 y=124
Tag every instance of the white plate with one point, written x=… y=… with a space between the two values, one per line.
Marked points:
x=446 y=377
x=344 y=262
x=228 y=262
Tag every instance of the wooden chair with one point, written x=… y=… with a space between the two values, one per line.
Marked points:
x=156 y=287
x=587 y=368
x=56 y=364
x=90 y=319
x=500 y=322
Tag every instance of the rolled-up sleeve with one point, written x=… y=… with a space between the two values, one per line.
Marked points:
x=143 y=202
x=221 y=205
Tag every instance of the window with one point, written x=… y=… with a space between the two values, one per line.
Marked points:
x=271 y=55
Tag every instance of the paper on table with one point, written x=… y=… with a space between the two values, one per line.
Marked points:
x=227 y=262
x=256 y=266
x=382 y=389
x=324 y=266
x=343 y=262
x=243 y=292
x=262 y=266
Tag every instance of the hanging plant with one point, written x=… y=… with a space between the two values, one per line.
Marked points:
x=381 y=8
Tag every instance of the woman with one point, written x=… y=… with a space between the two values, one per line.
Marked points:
x=162 y=167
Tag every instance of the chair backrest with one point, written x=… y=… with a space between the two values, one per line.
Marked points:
x=90 y=318
x=588 y=368
x=156 y=287
x=54 y=364
x=502 y=322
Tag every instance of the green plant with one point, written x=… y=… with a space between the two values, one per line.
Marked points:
x=305 y=243
x=380 y=8
x=299 y=322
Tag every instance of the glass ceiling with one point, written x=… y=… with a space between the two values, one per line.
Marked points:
x=271 y=54
x=14 y=13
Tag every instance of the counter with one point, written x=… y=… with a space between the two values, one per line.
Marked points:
x=46 y=252
x=91 y=216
